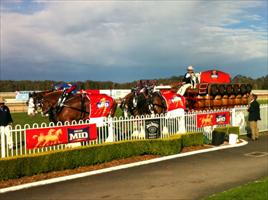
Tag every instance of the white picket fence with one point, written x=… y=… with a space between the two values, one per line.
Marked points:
x=123 y=129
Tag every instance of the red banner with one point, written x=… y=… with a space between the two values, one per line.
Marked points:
x=213 y=119
x=44 y=137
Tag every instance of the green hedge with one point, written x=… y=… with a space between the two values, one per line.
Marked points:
x=228 y=129
x=68 y=159
x=17 y=167
x=192 y=139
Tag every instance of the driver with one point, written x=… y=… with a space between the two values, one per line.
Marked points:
x=190 y=77
x=189 y=80
x=65 y=94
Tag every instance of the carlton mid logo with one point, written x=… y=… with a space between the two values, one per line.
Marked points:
x=220 y=118
x=44 y=137
x=77 y=135
x=103 y=103
x=213 y=119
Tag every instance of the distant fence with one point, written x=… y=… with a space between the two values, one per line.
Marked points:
x=15 y=143
x=8 y=94
x=17 y=106
x=262 y=94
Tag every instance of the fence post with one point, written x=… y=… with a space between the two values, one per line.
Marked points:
x=110 y=137
x=3 y=142
x=181 y=121
x=233 y=116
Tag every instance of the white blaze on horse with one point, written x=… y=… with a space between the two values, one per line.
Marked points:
x=34 y=102
x=31 y=107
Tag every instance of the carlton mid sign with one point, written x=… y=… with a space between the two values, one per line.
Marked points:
x=44 y=137
x=213 y=119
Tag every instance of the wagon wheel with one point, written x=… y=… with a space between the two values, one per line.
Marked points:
x=249 y=88
x=236 y=89
x=229 y=89
x=243 y=89
x=222 y=89
x=214 y=90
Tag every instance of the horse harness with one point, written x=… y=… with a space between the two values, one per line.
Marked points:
x=163 y=102
x=37 y=99
x=61 y=104
x=147 y=98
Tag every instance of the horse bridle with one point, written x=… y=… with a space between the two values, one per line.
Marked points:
x=37 y=104
x=38 y=100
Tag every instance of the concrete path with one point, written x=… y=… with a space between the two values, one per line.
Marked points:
x=191 y=177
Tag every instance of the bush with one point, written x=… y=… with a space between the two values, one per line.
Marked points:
x=192 y=139
x=68 y=159
x=228 y=129
x=90 y=155
x=234 y=130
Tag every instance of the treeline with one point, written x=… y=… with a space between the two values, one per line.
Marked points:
x=11 y=85
x=257 y=84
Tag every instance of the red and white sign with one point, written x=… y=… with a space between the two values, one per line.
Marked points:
x=44 y=137
x=173 y=100
x=213 y=119
x=100 y=105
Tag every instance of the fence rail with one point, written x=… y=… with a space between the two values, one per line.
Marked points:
x=13 y=140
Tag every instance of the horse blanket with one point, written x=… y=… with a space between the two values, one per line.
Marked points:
x=173 y=100
x=100 y=105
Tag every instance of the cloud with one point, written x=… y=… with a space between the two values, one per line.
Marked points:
x=100 y=40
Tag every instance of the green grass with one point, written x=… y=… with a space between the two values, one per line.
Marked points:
x=118 y=112
x=257 y=190
x=263 y=101
x=22 y=118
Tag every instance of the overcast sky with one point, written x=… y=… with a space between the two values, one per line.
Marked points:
x=124 y=41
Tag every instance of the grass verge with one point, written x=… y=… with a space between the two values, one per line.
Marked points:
x=22 y=119
x=257 y=190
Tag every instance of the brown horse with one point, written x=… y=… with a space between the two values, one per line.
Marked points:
x=34 y=101
x=156 y=103
x=136 y=104
x=74 y=108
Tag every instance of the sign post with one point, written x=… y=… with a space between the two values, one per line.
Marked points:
x=110 y=137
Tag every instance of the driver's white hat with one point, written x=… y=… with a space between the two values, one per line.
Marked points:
x=190 y=68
